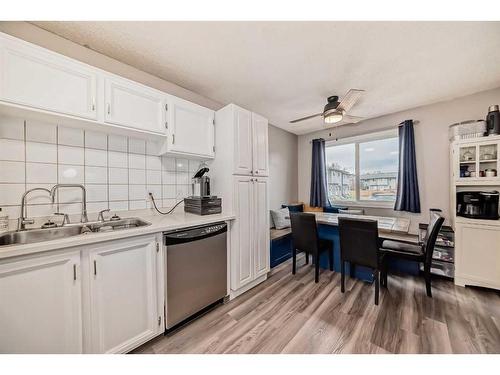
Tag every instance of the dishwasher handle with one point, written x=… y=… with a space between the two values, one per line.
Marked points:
x=194 y=234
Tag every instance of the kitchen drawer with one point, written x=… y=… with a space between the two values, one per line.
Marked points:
x=445 y=254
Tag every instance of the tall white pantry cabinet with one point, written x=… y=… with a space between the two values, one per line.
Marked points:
x=240 y=177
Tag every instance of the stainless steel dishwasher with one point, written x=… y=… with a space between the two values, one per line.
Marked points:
x=196 y=270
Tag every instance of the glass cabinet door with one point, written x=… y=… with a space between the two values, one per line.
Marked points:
x=488 y=160
x=467 y=160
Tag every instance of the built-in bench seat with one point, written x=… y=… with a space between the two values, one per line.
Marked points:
x=281 y=245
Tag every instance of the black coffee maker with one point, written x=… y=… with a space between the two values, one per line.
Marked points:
x=478 y=204
x=493 y=120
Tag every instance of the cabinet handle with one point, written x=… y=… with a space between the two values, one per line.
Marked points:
x=159 y=320
x=74 y=272
x=95 y=268
x=157 y=247
x=166 y=124
x=166 y=107
x=256 y=172
x=93 y=104
x=173 y=138
x=109 y=108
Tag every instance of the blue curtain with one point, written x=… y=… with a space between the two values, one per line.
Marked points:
x=408 y=197
x=319 y=196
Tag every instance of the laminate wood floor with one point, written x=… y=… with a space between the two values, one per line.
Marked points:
x=291 y=314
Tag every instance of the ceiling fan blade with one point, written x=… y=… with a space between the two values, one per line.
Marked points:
x=352 y=119
x=349 y=99
x=306 y=118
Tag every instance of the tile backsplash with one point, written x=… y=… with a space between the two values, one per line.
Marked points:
x=118 y=172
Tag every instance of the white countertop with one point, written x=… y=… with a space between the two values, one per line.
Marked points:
x=385 y=224
x=159 y=223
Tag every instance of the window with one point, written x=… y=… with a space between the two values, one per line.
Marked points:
x=363 y=169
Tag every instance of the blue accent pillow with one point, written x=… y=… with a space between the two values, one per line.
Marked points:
x=294 y=207
x=334 y=209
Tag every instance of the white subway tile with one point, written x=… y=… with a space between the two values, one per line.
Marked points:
x=137 y=176
x=38 y=196
x=12 y=128
x=169 y=191
x=96 y=140
x=117 y=159
x=95 y=207
x=71 y=209
x=117 y=143
x=96 y=158
x=11 y=211
x=96 y=175
x=70 y=155
x=137 y=161
x=97 y=193
x=41 y=210
x=11 y=194
x=169 y=203
x=182 y=178
x=137 y=205
x=137 y=192
x=153 y=177
x=118 y=206
x=153 y=163
x=70 y=136
x=69 y=195
x=41 y=152
x=194 y=165
x=152 y=148
x=167 y=164
x=71 y=174
x=41 y=173
x=168 y=178
x=11 y=149
x=118 y=176
x=137 y=146
x=182 y=191
x=181 y=165
x=156 y=190
x=118 y=193
x=12 y=172
x=37 y=131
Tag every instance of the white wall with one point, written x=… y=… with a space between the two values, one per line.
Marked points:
x=283 y=182
x=432 y=148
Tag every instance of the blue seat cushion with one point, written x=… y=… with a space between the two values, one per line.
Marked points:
x=334 y=209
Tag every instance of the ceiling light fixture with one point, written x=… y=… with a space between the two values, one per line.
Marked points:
x=333 y=116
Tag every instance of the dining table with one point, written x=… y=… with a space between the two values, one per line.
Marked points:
x=389 y=228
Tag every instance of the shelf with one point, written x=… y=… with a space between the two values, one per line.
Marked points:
x=488 y=161
x=468 y=162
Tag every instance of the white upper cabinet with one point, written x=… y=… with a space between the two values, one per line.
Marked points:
x=35 y=77
x=40 y=304
x=260 y=145
x=191 y=129
x=131 y=104
x=242 y=141
x=123 y=295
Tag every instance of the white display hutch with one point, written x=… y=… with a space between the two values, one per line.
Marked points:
x=477 y=242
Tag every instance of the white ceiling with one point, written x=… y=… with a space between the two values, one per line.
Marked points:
x=285 y=70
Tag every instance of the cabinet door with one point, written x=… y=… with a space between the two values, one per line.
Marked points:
x=191 y=128
x=261 y=232
x=243 y=163
x=123 y=295
x=477 y=253
x=242 y=262
x=260 y=145
x=35 y=77
x=133 y=105
x=40 y=305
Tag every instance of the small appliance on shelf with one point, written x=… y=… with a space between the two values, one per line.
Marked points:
x=478 y=204
x=201 y=202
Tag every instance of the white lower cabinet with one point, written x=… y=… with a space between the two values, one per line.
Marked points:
x=250 y=232
x=477 y=255
x=40 y=304
x=123 y=295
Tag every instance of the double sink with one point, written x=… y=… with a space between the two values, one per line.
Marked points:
x=70 y=230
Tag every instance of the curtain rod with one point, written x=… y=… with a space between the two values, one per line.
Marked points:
x=331 y=138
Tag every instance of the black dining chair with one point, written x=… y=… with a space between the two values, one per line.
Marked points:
x=359 y=245
x=305 y=238
x=418 y=253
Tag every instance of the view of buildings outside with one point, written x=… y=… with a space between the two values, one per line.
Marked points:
x=378 y=171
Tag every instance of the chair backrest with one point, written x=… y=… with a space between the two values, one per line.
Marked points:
x=359 y=241
x=304 y=231
x=431 y=236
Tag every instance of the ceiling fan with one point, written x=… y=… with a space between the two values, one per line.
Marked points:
x=335 y=111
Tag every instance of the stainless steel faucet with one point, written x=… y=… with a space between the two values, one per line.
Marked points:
x=100 y=217
x=23 y=217
x=84 y=217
